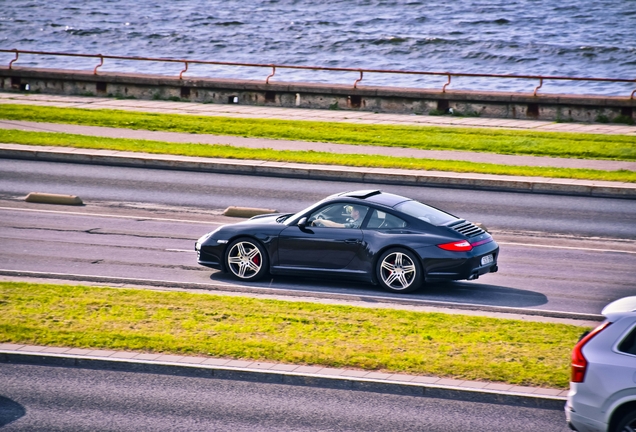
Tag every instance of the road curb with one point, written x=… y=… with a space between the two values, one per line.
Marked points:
x=243 y=289
x=324 y=172
x=288 y=378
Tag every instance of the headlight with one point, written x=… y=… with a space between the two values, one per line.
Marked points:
x=205 y=237
x=202 y=239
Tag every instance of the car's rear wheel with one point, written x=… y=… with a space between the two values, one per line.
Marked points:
x=399 y=270
x=627 y=423
x=246 y=259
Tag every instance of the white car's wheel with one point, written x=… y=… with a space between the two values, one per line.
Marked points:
x=627 y=423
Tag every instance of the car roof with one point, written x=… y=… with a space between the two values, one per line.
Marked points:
x=376 y=196
x=620 y=307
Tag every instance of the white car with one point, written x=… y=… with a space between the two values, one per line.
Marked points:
x=602 y=393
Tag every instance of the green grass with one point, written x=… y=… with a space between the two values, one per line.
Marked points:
x=567 y=145
x=310 y=157
x=457 y=346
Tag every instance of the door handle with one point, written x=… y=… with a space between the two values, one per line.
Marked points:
x=353 y=241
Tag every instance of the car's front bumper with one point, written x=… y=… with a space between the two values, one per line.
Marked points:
x=210 y=253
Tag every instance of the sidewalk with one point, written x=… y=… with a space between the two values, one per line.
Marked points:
x=360 y=117
x=278 y=373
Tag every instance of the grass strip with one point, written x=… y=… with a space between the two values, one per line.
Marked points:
x=309 y=157
x=556 y=144
x=457 y=346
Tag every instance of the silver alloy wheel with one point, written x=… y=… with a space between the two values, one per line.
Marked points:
x=398 y=271
x=627 y=423
x=245 y=260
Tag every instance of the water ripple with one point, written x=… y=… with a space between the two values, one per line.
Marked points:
x=569 y=38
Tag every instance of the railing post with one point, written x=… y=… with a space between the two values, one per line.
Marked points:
x=99 y=65
x=17 y=54
x=186 y=68
x=539 y=86
x=449 y=80
x=270 y=75
x=355 y=84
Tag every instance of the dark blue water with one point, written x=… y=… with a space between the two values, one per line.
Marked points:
x=540 y=37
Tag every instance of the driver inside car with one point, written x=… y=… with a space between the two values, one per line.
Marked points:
x=356 y=216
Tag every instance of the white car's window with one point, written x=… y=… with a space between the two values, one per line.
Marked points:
x=628 y=345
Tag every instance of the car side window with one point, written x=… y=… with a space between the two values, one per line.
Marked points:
x=339 y=215
x=628 y=345
x=383 y=220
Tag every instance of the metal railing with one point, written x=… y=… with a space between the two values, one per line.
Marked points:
x=186 y=62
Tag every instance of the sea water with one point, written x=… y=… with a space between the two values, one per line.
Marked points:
x=526 y=37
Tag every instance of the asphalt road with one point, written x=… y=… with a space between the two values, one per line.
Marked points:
x=136 y=225
x=580 y=216
x=70 y=399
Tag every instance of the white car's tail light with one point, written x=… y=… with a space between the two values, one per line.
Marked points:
x=579 y=362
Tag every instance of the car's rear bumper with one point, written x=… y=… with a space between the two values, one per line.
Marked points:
x=581 y=417
x=465 y=272
x=467 y=266
x=581 y=423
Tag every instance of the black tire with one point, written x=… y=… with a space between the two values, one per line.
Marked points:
x=627 y=423
x=246 y=259
x=399 y=271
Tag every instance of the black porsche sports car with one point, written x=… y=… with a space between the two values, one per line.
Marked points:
x=365 y=235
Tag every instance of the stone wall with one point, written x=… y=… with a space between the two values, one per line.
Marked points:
x=551 y=107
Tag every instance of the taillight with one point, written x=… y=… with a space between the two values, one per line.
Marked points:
x=457 y=246
x=579 y=362
x=481 y=242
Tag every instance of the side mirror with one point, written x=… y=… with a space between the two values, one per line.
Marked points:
x=302 y=222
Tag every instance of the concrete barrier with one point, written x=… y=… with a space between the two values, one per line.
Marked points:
x=246 y=212
x=47 y=198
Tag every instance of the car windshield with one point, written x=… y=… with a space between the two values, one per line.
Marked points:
x=283 y=218
x=425 y=213
x=302 y=212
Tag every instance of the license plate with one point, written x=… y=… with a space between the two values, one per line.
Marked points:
x=487 y=259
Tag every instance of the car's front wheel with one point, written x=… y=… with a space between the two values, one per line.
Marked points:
x=246 y=259
x=399 y=270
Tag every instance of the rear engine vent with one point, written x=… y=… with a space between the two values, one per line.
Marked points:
x=468 y=229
